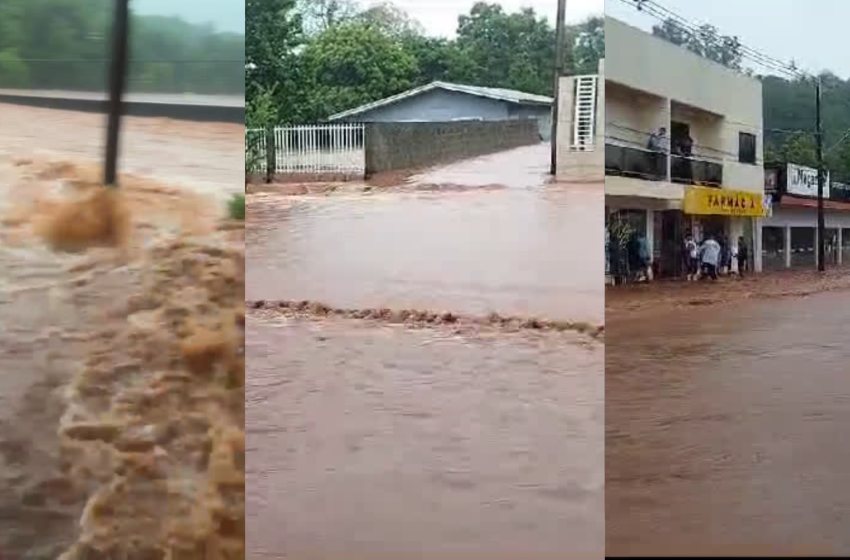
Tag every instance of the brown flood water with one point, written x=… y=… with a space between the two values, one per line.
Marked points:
x=520 y=252
x=370 y=441
x=379 y=440
x=724 y=427
x=108 y=445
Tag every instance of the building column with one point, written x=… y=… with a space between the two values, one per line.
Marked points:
x=787 y=246
x=650 y=229
x=757 y=241
x=840 y=255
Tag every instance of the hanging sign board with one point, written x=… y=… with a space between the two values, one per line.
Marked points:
x=723 y=202
x=803 y=181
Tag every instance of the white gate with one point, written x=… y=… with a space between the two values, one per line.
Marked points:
x=316 y=149
x=309 y=149
x=585 y=114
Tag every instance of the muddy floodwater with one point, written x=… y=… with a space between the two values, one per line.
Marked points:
x=724 y=428
x=368 y=441
x=516 y=251
x=381 y=438
x=121 y=392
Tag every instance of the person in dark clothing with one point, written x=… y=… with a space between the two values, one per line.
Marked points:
x=636 y=265
x=743 y=257
x=686 y=146
x=691 y=256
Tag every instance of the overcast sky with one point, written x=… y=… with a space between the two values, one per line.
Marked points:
x=225 y=15
x=440 y=16
x=811 y=31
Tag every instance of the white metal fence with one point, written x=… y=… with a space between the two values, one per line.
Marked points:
x=313 y=149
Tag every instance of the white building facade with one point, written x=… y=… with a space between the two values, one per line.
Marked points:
x=581 y=130
x=705 y=176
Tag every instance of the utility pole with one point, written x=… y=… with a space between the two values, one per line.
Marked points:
x=117 y=79
x=559 y=71
x=821 y=264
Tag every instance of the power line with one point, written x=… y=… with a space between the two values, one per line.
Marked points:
x=759 y=56
x=664 y=14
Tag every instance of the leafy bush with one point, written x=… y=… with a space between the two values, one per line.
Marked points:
x=236 y=207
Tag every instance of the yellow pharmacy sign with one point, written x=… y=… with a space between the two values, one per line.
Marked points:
x=705 y=200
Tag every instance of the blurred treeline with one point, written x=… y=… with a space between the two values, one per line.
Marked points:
x=65 y=44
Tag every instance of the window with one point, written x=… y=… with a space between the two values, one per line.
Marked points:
x=746 y=148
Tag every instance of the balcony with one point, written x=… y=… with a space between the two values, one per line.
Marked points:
x=695 y=171
x=635 y=162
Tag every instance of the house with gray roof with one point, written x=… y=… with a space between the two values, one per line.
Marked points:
x=444 y=102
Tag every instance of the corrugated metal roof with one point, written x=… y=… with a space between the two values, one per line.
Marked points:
x=500 y=94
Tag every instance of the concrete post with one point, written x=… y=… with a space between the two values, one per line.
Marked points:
x=840 y=255
x=757 y=241
x=650 y=229
x=787 y=246
x=566 y=114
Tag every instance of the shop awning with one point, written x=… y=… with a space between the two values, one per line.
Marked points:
x=723 y=202
x=790 y=201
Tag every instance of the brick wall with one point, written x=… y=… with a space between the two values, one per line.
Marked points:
x=396 y=146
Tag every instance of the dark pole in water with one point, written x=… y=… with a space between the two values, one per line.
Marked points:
x=559 y=71
x=117 y=79
x=821 y=229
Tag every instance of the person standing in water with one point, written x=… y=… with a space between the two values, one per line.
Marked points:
x=710 y=255
x=743 y=257
x=691 y=257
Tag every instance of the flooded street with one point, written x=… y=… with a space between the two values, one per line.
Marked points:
x=98 y=421
x=369 y=441
x=203 y=157
x=723 y=426
x=518 y=249
x=384 y=438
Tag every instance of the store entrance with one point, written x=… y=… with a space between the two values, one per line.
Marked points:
x=714 y=226
x=669 y=241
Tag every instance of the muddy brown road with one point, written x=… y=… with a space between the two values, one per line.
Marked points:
x=723 y=428
x=371 y=441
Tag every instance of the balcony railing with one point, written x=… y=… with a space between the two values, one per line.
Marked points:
x=635 y=162
x=695 y=171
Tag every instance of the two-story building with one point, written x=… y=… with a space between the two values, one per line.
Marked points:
x=704 y=175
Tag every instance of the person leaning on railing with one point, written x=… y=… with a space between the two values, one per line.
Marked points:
x=657 y=141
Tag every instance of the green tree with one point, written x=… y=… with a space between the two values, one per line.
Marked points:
x=512 y=50
x=13 y=72
x=585 y=46
x=706 y=41
x=320 y=15
x=352 y=64
x=272 y=34
x=390 y=20
x=63 y=44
